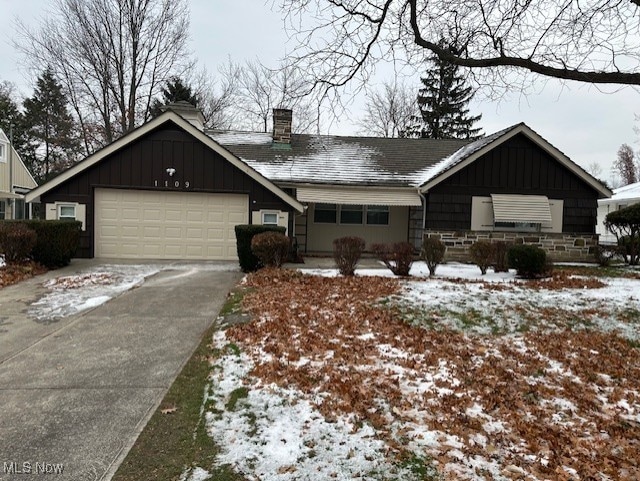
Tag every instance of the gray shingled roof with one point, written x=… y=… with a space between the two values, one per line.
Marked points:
x=341 y=160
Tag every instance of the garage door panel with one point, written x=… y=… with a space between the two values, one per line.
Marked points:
x=151 y=215
x=236 y=218
x=167 y=225
x=172 y=233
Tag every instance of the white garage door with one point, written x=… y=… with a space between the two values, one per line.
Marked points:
x=167 y=225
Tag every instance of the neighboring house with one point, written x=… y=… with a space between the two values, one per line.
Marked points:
x=15 y=181
x=622 y=197
x=170 y=190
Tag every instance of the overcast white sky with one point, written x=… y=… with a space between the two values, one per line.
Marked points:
x=582 y=121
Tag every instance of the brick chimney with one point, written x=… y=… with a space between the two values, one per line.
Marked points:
x=187 y=111
x=282 y=126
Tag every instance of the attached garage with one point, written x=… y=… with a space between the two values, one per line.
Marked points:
x=167 y=225
x=164 y=191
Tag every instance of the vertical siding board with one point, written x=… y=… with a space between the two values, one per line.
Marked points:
x=517 y=166
x=136 y=164
x=486 y=170
x=528 y=168
x=187 y=155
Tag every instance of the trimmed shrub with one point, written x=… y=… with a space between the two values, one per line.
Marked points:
x=347 y=252
x=397 y=257
x=16 y=241
x=244 y=234
x=57 y=241
x=500 y=261
x=481 y=253
x=432 y=253
x=530 y=262
x=271 y=248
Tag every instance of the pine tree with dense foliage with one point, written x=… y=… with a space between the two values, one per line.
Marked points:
x=443 y=101
x=52 y=128
x=12 y=122
x=174 y=91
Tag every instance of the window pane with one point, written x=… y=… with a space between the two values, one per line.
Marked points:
x=18 y=206
x=67 y=212
x=2 y=159
x=2 y=209
x=351 y=214
x=518 y=226
x=325 y=213
x=378 y=214
x=270 y=219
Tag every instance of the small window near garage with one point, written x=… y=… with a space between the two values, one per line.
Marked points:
x=378 y=215
x=269 y=218
x=325 y=213
x=3 y=209
x=351 y=214
x=67 y=212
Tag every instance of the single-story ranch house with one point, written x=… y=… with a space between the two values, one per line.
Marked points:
x=172 y=190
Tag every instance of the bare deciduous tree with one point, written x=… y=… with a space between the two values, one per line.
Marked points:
x=261 y=89
x=595 y=169
x=112 y=56
x=595 y=41
x=625 y=165
x=390 y=111
x=218 y=95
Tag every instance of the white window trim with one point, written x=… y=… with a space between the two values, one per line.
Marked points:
x=265 y=213
x=482 y=217
x=52 y=211
x=3 y=152
x=75 y=211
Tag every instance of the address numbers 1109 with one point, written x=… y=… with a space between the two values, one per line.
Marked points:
x=172 y=183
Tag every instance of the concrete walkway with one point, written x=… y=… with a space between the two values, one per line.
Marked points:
x=75 y=393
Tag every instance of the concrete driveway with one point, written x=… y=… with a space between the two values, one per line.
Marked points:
x=76 y=391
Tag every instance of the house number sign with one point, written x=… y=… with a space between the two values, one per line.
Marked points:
x=172 y=183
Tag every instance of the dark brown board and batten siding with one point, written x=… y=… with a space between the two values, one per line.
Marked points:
x=142 y=164
x=518 y=166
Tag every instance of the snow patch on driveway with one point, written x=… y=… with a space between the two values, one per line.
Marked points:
x=92 y=287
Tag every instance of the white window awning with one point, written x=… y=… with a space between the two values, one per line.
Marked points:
x=359 y=196
x=521 y=208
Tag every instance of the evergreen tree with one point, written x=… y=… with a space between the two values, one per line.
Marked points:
x=12 y=121
x=53 y=129
x=443 y=102
x=175 y=91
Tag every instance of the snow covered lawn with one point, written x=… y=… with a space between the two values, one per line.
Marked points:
x=457 y=377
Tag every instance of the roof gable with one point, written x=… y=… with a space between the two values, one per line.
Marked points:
x=468 y=154
x=147 y=128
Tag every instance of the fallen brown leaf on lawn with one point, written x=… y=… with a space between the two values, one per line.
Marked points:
x=548 y=403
